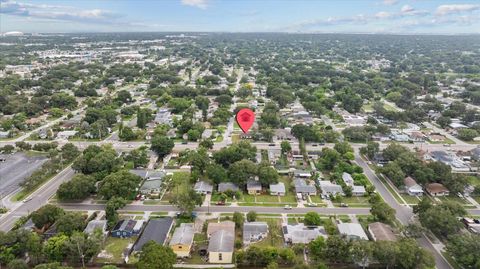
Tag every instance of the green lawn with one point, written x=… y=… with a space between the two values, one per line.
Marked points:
x=180 y=184
x=267 y=199
x=456 y=199
x=412 y=200
x=275 y=235
x=115 y=247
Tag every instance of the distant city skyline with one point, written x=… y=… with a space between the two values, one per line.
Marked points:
x=342 y=16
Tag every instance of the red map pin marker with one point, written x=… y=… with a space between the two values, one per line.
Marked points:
x=245 y=118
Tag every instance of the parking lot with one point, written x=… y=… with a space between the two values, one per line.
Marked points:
x=14 y=168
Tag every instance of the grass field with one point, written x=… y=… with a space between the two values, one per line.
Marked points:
x=115 y=247
x=181 y=183
x=275 y=235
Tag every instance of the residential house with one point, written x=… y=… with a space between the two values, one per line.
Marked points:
x=254 y=187
x=348 y=179
x=94 y=225
x=437 y=189
x=358 y=190
x=329 y=188
x=353 y=231
x=473 y=225
x=221 y=242
x=379 y=159
x=65 y=135
x=417 y=137
x=254 y=232
x=156 y=230
x=301 y=187
x=411 y=187
x=436 y=138
x=151 y=187
x=220 y=247
x=127 y=228
x=217 y=226
x=302 y=173
x=182 y=240
x=203 y=187
x=148 y=174
x=4 y=135
x=381 y=232
x=301 y=234
x=399 y=137
x=224 y=186
x=475 y=154
x=457 y=126
x=277 y=189
x=163 y=116
x=449 y=159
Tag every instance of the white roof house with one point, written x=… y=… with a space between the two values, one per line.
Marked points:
x=411 y=187
x=353 y=231
x=203 y=187
x=301 y=234
x=254 y=231
x=358 y=190
x=330 y=188
x=348 y=179
x=277 y=189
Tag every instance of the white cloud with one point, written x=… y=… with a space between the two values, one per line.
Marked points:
x=407 y=9
x=389 y=2
x=451 y=9
x=195 y=3
x=383 y=15
x=54 y=12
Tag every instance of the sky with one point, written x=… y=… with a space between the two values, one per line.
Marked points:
x=303 y=16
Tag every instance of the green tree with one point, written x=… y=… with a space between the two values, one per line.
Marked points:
x=54 y=248
x=362 y=252
x=46 y=216
x=70 y=222
x=286 y=147
x=162 y=145
x=78 y=188
x=267 y=175
x=370 y=149
x=462 y=248
x=111 y=208
x=381 y=211
x=152 y=253
x=467 y=134
x=17 y=264
x=251 y=216
x=317 y=248
x=238 y=219
x=312 y=219
x=187 y=201
x=337 y=249
x=242 y=171
x=216 y=173
x=120 y=184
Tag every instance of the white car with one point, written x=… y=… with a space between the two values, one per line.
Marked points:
x=27 y=199
x=287 y=207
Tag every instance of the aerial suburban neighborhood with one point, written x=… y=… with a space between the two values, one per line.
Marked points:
x=127 y=150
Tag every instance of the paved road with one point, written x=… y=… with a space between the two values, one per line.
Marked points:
x=223 y=209
x=403 y=213
x=38 y=199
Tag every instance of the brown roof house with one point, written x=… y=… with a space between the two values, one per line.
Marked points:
x=437 y=189
x=412 y=188
x=381 y=232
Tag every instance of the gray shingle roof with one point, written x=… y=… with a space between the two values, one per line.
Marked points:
x=253 y=229
x=203 y=186
x=279 y=187
x=183 y=234
x=221 y=241
x=156 y=230
x=254 y=185
x=302 y=187
x=352 y=229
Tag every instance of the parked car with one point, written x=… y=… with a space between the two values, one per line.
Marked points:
x=287 y=207
x=220 y=203
x=343 y=205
